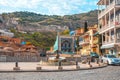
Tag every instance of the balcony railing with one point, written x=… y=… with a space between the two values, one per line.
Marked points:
x=107 y=9
x=109 y=42
x=84 y=42
x=107 y=27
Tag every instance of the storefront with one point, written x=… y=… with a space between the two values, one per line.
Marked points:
x=111 y=49
x=108 y=49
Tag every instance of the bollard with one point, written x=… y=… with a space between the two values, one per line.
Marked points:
x=16 y=66
x=98 y=62
x=76 y=63
x=38 y=68
x=59 y=63
x=89 y=64
x=60 y=66
x=77 y=66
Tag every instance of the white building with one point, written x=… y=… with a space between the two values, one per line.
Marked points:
x=109 y=25
x=5 y=33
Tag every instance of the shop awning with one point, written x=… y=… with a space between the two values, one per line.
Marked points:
x=107 y=46
x=97 y=33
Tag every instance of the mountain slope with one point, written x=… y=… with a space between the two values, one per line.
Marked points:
x=33 y=21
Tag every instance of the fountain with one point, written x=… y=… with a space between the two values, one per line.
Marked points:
x=57 y=58
x=54 y=60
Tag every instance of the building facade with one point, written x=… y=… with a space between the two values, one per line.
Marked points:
x=89 y=42
x=109 y=25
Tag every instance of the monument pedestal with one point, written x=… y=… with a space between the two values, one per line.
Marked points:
x=60 y=67
x=38 y=68
x=77 y=67
x=16 y=68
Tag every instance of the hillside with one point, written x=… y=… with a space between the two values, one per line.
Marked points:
x=31 y=21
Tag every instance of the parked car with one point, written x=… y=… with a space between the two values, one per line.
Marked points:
x=111 y=59
x=94 y=56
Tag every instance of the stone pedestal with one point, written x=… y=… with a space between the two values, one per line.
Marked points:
x=77 y=67
x=99 y=64
x=16 y=68
x=60 y=67
x=90 y=65
x=38 y=68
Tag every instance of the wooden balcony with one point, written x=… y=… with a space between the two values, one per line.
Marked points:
x=84 y=42
x=108 y=42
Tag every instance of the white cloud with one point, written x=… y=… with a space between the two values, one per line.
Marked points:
x=59 y=7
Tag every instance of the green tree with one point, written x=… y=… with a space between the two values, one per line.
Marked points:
x=65 y=32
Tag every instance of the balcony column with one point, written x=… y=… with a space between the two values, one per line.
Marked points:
x=99 y=9
x=110 y=36
x=115 y=1
x=104 y=2
x=105 y=37
x=114 y=16
x=109 y=2
x=105 y=21
x=115 y=36
x=102 y=38
x=109 y=20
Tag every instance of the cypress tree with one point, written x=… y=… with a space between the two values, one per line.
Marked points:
x=85 y=26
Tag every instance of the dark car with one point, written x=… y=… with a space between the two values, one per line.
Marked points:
x=42 y=55
x=94 y=56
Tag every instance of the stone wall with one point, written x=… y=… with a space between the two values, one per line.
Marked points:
x=20 y=59
x=19 y=56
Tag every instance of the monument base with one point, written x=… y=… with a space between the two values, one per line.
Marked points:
x=60 y=67
x=38 y=68
x=16 y=68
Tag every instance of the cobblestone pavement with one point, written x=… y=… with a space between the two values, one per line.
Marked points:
x=107 y=73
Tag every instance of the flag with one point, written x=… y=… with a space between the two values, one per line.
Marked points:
x=56 y=44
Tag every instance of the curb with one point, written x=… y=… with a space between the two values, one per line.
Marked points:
x=9 y=71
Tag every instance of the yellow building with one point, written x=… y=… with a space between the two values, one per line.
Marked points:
x=89 y=41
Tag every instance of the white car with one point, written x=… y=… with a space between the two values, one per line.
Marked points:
x=111 y=59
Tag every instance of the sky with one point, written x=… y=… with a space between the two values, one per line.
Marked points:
x=49 y=7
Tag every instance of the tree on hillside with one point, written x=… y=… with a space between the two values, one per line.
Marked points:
x=65 y=32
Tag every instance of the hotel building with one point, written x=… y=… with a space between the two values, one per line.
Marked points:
x=109 y=25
